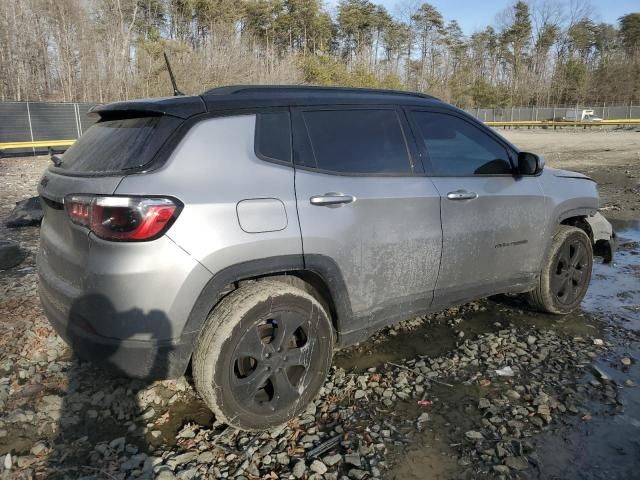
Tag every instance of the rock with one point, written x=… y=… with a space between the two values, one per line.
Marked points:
x=331 y=460
x=484 y=403
x=626 y=361
x=505 y=371
x=531 y=340
x=353 y=459
x=360 y=394
x=598 y=341
x=10 y=254
x=501 y=451
x=318 y=467
x=283 y=458
x=424 y=417
x=151 y=462
x=473 y=435
x=252 y=470
x=517 y=463
x=513 y=395
x=25 y=462
x=38 y=448
x=165 y=475
x=184 y=458
x=537 y=421
x=357 y=474
x=7 y=461
x=544 y=410
x=26 y=213
x=134 y=462
x=206 y=457
x=299 y=469
x=600 y=373
x=187 y=474
x=117 y=444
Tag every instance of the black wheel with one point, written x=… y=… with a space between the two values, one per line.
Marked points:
x=566 y=272
x=263 y=354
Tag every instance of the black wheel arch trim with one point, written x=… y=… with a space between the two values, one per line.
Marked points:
x=576 y=212
x=217 y=288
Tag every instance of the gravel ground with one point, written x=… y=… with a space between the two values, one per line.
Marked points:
x=473 y=392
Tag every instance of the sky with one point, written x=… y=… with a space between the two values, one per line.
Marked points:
x=474 y=15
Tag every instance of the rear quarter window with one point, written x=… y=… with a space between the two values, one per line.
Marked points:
x=273 y=136
x=115 y=145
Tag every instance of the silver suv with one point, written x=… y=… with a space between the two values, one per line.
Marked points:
x=249 y=231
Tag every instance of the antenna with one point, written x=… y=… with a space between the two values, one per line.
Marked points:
x=176 y=92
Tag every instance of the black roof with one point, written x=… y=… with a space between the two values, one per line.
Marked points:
x=310 y=90
x=257 y=96
x=241 y=96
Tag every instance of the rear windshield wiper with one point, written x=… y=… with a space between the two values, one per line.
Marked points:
x=57 y=161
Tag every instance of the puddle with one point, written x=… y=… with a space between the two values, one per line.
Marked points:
x=608 y=447
x=615 y=287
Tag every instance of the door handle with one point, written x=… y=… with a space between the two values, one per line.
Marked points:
x=331 y=199
x=462 y=195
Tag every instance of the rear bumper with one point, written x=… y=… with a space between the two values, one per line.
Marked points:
x=129 y=308
x=153 y=360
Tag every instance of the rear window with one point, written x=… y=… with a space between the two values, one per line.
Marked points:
x=118 y=144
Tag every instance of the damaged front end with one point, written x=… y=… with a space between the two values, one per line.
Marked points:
x=603 y=237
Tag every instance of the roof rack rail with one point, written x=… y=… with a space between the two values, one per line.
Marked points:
x=240 y=89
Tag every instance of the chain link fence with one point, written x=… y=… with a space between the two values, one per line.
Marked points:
x=41 y=121
x=533 y=114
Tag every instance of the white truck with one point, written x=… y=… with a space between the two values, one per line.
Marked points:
x=578 y=115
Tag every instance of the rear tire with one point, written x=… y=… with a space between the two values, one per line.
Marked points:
x=565 y=274
x=263 y=355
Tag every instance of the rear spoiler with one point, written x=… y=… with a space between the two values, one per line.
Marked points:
x=181 y=107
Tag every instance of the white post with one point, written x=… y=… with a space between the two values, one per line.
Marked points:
x=30 y=127
x=76 y=112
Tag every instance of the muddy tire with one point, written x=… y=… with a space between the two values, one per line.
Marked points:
x=263 y=354
x=566 y=272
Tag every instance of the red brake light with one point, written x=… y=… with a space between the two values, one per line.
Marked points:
x=124 y=219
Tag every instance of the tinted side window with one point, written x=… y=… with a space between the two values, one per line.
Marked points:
x=457 y=148
x=358 y=141
x=273 y=136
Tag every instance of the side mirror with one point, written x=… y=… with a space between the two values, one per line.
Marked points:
x=529 y=163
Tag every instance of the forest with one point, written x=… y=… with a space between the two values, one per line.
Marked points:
x=535 y=52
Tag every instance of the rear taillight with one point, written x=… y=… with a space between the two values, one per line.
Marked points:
x=123 y=219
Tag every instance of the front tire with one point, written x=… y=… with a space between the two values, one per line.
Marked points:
x=263 y=355
x=566 y=272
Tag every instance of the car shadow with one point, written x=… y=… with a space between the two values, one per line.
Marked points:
x=102 y=418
